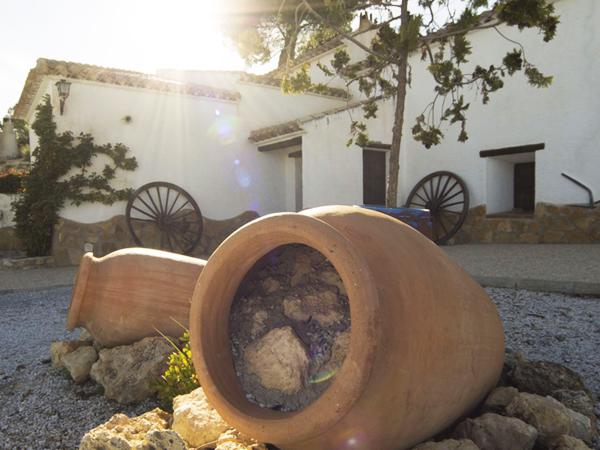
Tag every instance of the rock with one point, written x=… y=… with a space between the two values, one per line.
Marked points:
x=324 y=307
x=124 y=433
x=258 y=322
x=568 y=443
x=579 y=401
x=278 y=359
x=543 y=377
x=550 y=417
x=270 y=285
x=127 y=372
x=500 y=398
x=196 y=420
x=302 y=267
x=495 y=432
x=85 y=336
x=339 y=350
x=59 y=349
x=332 y=278
x=510 y=362
x=448 y=444
x=79 y=363
x=581 y=426
x=164 y=440
x=233 y=440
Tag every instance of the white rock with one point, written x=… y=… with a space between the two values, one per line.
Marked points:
x=128 y=372
x=448 y=444
x=124 y=433
x=164 y=440
x=279 y=360
x=323 y=306
x=233 y=440
x=59 y=349
x=79 y=362
x=196 y=420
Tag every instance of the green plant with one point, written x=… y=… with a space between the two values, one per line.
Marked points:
x=62 y=170
x=10 y=180
x=180 y=377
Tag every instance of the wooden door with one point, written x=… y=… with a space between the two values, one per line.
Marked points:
x=373 y=177
x=524 y=186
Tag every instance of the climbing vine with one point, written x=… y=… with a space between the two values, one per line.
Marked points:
x=62 y=170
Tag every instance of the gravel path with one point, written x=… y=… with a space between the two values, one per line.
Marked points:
x=41 y=409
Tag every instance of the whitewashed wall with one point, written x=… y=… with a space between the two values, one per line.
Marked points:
x=564 y=116
x=333 y=172
x=7 y=217
x=198 y=143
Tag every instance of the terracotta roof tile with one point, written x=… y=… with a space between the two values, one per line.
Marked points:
x=117 y=77
x=272 y=80
x=270 y=132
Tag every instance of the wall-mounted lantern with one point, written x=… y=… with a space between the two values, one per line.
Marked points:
x=63 y=87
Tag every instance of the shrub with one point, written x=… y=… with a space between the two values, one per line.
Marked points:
x=10 y=180
x=63 y=170
x=180 y=377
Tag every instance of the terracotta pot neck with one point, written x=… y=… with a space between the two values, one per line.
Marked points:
x=209 y=317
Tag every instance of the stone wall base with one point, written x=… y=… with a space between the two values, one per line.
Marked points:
x=9 y=242
x=70 y=238
x=550 y=224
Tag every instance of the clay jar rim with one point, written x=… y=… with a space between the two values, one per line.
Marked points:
x=209 y=329
x=78 y=296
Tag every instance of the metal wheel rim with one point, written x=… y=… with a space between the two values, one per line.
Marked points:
x=160 y=204
x=446 y=196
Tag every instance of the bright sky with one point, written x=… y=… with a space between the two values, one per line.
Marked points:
x=142 y=35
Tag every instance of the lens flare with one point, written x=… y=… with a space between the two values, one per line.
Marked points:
x=223 y=129
x=353 y=439
x=322 y=376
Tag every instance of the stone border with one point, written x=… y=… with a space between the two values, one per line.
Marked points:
x=35 y=262
x=72 y=239
x=541 y=285
x=550 y=224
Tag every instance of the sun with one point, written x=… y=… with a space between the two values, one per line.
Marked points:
x=181 y=34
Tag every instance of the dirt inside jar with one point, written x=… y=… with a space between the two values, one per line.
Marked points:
x=289 y=328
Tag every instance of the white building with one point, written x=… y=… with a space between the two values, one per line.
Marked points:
x=236 y=143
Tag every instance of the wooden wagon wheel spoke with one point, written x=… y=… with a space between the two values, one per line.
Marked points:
x=147 y=206
x=447 y=199
x=137 y=219
x=156 y=208
x=448 y=205
x=174 y=203
x=145 y=213
x=175 y=215
x=440 y=191
x=162 y=210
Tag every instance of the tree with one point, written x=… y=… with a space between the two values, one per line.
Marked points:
x=264 y=28
x=61 y=171
x=439 y=31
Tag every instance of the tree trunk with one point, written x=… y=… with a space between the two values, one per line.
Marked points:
x=401 y=79
x=288 y=52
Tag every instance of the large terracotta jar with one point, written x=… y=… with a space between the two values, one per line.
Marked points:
x=426 y=342
x=133 y=293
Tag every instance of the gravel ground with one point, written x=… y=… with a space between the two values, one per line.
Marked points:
x=41 y=409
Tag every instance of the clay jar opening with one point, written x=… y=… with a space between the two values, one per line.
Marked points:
x=289 y=328
x=210 y=337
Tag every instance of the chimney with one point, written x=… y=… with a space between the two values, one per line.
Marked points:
x=364 y=22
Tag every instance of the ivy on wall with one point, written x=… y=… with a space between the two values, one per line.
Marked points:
x=62 y=170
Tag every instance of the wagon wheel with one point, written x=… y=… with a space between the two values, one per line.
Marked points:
x=162 y=215
x=446 y=196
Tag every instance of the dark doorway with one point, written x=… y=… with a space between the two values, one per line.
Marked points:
x=373 y=177
x=524 y=187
